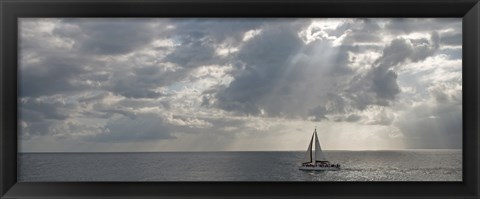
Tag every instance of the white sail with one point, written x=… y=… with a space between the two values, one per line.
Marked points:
x=309 y=156
x=318 y=149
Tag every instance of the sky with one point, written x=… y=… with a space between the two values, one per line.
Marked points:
x=206 y=84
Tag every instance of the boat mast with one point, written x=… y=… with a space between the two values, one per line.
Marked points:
x=310 y=149
x=315 y=156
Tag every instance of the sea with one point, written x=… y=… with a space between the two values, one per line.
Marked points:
x=404 y=165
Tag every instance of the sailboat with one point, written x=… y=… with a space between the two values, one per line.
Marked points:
x=317 y=161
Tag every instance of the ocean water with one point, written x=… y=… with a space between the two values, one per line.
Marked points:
x=416 y=165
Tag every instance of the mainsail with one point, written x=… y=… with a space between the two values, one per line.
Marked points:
x=308 y=156
x=318 y=149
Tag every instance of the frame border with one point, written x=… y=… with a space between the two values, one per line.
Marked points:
x=11 y=10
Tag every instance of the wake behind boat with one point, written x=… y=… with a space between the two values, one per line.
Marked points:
x=317 y=162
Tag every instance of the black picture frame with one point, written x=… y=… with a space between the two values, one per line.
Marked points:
x=11 y=10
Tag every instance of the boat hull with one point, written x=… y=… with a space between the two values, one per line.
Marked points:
x=304 y=168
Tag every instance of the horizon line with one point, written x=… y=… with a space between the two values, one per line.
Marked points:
x=186 y=151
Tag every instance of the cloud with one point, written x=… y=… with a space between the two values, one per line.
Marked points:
x=33 y=128
x=282 y=79
x=435 y=120
x=401 y=50
x=37 y=110
x=101 y=110
x=192 y=54
x=227 y=82
x=265 y=86
x=413 y=25
x=384 y=83
x=144 y=127
x=452 y=39
x=53 y=74
x=353 y=118
x=379 y=85
x=433 y=127
x=318 y=113
x=265 y=61
x=198 y=40
x=382 y=117
x=106 y=36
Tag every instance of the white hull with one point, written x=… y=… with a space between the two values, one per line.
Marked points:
x=318 y=168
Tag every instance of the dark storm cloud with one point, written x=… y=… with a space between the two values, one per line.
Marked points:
x=198 y=39
x=64 y=71
x=379 y=86
x=32 y=110
x=318 y=113
x=141 y=82
x=265 y=60
x=401 y=50
x=385 y=83
x=53 y=74
x=52 y=63
x=106 y=36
